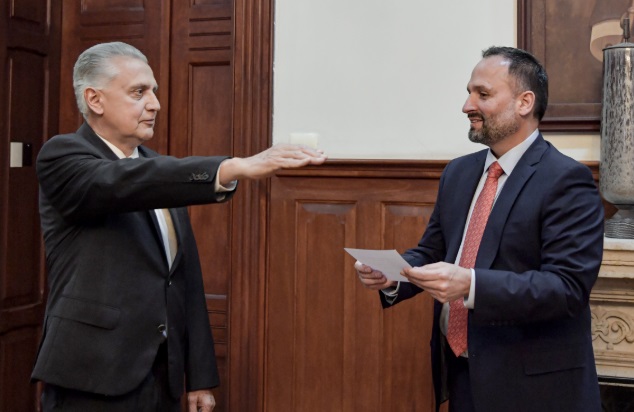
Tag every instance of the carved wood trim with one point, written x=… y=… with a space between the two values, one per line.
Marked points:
x=388 y=169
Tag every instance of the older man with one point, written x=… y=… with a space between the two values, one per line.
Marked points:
x=126 y=319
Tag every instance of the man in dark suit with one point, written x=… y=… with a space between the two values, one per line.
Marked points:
x=510 y=254
x=126 y=319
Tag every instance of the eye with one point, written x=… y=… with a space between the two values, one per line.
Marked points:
x=137 y=93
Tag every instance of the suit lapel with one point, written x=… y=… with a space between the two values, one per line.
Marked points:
x=506 y=199
x=152 y=213
x=87 y=133
x=176 y=221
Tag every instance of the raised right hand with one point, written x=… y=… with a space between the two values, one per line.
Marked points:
x=267 y=162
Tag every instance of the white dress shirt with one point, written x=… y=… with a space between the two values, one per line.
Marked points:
x=160 y=217
x=508 y=162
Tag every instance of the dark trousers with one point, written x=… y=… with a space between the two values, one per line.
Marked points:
x=152 y=395
x=458 y=384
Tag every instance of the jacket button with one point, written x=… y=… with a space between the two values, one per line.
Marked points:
x=161 y=328
x=169 y=283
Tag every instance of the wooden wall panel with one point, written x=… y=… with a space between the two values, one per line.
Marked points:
x=17 y=356
x=252 y=124
x=201 y=124
x=27 y=112
x=398 y=218
x=329 y=345
x=320 y=228
x=210 y=96
x=33 y=12
x=403 y=225
x=221 y=49
x=29 y=58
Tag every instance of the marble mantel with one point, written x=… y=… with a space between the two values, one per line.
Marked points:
x=612 y=305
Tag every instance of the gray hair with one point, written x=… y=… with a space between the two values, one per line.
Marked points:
x=94 y=68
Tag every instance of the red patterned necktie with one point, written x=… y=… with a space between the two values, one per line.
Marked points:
x=457 y=327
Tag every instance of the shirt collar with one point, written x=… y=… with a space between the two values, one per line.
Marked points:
x=511 y=158
x=118 y=152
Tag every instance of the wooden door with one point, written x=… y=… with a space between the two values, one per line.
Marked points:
x=220 y=97
x=29 y=58
x=201 y=124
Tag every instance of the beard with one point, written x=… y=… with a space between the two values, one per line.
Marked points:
x=494 y=128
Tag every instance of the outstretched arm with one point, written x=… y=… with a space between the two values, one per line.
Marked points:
x=264 y=164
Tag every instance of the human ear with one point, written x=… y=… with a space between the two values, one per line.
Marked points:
x=525 y=103
x=92 y=97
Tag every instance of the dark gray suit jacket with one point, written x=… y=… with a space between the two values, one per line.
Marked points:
x=529 y=337
x=111 y=292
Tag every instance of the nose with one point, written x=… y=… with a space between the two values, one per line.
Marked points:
x=468 y=105
x=153 y=103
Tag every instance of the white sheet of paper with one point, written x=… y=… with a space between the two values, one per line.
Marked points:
x=390 y=262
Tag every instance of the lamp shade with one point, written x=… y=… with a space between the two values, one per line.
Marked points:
x=606 y=25
x=605 y=34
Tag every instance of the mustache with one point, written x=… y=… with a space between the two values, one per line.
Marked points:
x=476 y=116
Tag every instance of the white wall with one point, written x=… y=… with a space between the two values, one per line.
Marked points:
x=378 y=79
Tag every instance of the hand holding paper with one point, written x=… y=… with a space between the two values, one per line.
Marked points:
x=389 y=262
x=373 y=279
x=446 y=282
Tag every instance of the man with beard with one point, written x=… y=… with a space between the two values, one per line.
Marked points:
x=510 y=254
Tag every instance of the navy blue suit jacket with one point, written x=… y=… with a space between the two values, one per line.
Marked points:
x=529 y=336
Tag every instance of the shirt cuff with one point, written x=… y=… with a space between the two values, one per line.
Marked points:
x=391 y=290
x=220 y=189
x=469 y=301
x=391 y=293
